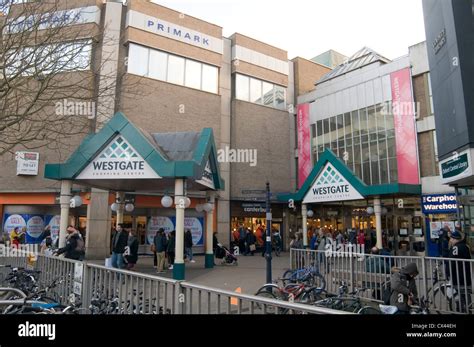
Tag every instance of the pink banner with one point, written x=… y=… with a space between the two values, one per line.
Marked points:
x=405 y=133
x=304 y=144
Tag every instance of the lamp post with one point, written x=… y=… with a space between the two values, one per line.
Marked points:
x=268 y=240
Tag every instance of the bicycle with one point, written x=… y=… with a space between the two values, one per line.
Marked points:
x=309 y=275
x=349 y=302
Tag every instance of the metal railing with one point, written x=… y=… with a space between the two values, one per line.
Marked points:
x=127 y=292
x=445 y=282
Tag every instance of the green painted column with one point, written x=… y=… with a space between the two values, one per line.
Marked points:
x=209 y=260
x=179 y=201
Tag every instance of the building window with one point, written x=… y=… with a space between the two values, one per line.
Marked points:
x=259 y=92
x=171 y=68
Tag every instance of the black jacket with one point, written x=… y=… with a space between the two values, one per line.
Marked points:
x=250 y=238
x=70 y=248
x=119 y=242
x=402 y=284
x=188 y=240
x=459 y=268
x=133 y=246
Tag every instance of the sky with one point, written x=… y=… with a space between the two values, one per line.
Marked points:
x=307 y=28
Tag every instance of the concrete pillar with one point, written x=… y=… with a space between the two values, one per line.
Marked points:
x=378 y=221
x=99 y=216
x=64 y=201
x=304 y=214
x=179 y=197
x=209 y=261
x=120 y=198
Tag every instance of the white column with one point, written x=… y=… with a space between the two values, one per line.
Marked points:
x=179 y=196
x=304 y=214
x=378 y=221
x=209 y=261
x=64 y=201
x=120 y=197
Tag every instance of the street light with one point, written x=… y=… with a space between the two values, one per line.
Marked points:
x=166 y=201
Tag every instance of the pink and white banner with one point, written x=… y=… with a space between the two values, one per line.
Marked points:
x=405 y=132
x=304 y=143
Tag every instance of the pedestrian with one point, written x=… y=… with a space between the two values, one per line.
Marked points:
x=75 y=246
x=403 y=287
x=188 y=246
x=242 y=235
x=132 y=250
x=171 y=249
x=46 y=244
x=460 y=270
x=159 y=242
x=119 y=242
x=250 y=240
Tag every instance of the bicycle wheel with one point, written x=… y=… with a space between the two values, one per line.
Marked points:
x=272 y=289
x=316 y=280
x=269 y=309
x=311 y=296
x=368 y=310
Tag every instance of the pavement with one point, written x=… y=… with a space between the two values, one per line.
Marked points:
x=249 y=275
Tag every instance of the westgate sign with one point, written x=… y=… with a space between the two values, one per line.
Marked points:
x=118 y=160
x=330 y=185
x=173 y=31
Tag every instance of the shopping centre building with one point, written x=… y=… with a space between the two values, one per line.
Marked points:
x=368 y=123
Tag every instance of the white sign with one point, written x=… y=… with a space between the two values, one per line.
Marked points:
x=13 y=221
x=173 y=31
x=330 y=185
x=207 y=177
x=78 y=272
x=118 y=161
x=27 y=163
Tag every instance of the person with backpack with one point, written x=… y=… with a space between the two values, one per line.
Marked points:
x=119 y=242
x=75 y=246
x=403 y=288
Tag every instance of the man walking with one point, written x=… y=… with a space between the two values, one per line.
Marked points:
x=188 y=246
x=160 y=249
x=119 y=242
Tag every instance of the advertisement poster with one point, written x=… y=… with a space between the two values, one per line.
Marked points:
x=53 y=222
x=436 y=226
x=304 y=143
x=195 y=224
x=32 y=224
x=404 y=122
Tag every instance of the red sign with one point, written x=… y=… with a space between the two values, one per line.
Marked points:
x=405 y=132
x=304 y=144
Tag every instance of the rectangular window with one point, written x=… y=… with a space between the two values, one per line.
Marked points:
x=255 y=91
x=280 y=97
x=242 y=88
x=193 y=74
x=138 y=60
x=175 y=70
x=210 y=75
x=268 y=94
x=158 y=65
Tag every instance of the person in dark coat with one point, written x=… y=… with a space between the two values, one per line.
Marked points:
x=171 y=249
x=460 y=270
x=404 y=291
x=160 y=243
x=119 y=242
x=132 y=250
x=188 y=246
x=250 y=240
x=74 y=248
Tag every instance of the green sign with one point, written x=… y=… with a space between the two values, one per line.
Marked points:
x=455 y=166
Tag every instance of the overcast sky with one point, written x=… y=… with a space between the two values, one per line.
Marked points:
x=306 y=28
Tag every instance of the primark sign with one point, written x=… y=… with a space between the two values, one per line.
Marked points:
x=173 y=31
